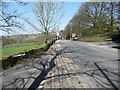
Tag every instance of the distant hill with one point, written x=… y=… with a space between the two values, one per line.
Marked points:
x=5 y=40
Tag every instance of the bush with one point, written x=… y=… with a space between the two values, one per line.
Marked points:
x=115 y=37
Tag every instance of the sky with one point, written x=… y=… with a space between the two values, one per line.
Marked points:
x=70 y=8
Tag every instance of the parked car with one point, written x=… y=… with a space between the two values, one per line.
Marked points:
x=61 y=38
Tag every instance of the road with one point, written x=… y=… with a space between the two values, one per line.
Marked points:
x=96 y=64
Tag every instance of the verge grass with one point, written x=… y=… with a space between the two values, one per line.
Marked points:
x=94 y=38
x=18 y=45
x=19 y=48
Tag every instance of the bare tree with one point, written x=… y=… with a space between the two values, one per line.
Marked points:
x=9 y=19
x=48 y=15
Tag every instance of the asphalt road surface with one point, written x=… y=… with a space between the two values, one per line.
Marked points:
x=96 y=63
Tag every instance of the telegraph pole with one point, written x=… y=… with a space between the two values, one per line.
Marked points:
x=71 y=31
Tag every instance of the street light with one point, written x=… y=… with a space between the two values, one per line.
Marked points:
x=70 y=30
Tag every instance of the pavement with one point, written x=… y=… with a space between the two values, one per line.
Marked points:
x=67 y=64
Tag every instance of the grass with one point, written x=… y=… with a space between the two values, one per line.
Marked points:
x=18 y=45
x=19 y=48
x=94 y=38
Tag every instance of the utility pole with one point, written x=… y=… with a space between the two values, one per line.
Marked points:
x=8 y=39
x=71 y=31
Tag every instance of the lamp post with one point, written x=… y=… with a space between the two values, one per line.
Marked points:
x=70 y=30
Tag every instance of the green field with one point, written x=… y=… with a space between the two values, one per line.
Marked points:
x=18 y=48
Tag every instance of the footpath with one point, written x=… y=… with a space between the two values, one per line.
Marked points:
x=61 y=71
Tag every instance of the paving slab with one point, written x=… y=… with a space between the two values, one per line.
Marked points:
x=63 y=74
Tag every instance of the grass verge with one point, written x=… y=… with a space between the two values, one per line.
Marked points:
x=19 y=48
x=12 y=61
x=93 y=38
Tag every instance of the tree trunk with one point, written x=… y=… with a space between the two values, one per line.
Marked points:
x=112 y=7
x=46 y=35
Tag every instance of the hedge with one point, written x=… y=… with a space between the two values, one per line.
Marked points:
x=11 y=61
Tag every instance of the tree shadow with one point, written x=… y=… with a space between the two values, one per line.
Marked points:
x=45 y=71
x=102 y=77
x=106 y=76
x=117 y=47
x=41 y=66
x=94 y=74
x=89 y=68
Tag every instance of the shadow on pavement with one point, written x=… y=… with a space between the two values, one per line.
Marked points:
x=117 y=47
x=102 y=77
x=23 y=81
x=44 y=72
x=93 y=73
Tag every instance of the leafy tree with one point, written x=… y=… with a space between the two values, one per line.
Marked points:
x=95 y=19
